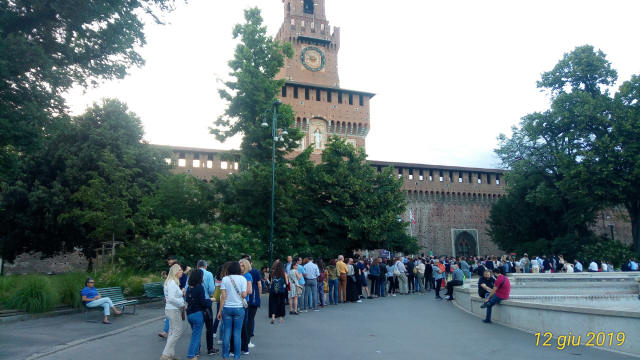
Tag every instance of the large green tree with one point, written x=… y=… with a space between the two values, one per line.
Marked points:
x=46 y=47
x=83 y=186
x=257 y=60
x=570 y=161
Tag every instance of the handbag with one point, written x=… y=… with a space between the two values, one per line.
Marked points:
x=245 y=304
x=396 y=272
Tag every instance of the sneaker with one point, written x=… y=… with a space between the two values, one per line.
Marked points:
x=447 y=297
x=316 y=309
x=213 y=352
x=393 y=294
x=484 y=305
x=245 y=353
x=252 y=345
x=438 y=298
x=359 y=301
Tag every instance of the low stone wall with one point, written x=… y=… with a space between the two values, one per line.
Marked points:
x=549 y=314
x=33 y=263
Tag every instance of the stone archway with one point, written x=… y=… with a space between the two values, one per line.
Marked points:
x=465 y=244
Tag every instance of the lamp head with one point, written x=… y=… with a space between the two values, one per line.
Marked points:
x=264 y=124
x=277 y=102
x=285 y=132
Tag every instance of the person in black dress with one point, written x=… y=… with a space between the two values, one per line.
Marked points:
x=278 y=292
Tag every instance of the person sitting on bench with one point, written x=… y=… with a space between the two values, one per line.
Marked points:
x=92 y=299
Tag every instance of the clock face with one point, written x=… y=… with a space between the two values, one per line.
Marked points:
x=313 y=58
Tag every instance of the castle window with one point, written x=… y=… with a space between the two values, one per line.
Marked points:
x=488 y=178
x=450 y=176
x=497 y=179
x=284 y=91
x=430 y=175
x=421 y=175
x=209 y=164
x=196 y=163
x=328 y=96
x=339 y=97
x=168 y=161
x=308 y=6
x=350 y=99
x=460 y=178
x=479 y=178
x=469 y=177
x=318 y=95
x=441 y=177
x=293 y=22
x=223 y=164
x=306 y=93
x=288 y=7
x=410 y=174
x=322 y=27
x=182 y=162
x=361 y=101
x=295 y=92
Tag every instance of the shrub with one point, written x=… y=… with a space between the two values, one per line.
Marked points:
x=33 y=295
x=7 y=287
x=216 y=243
x=68 y=287
x=608 y=250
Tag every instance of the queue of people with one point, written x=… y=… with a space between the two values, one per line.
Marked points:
x=307 y=284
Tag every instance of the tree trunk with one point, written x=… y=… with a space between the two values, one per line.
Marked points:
x=633 y=209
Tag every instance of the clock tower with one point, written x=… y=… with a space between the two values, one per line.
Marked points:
x=322 y=108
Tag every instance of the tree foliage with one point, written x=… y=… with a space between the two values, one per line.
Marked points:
x=82 y=187
x=46 y=47
x=571 y=161
x=257 y=60
x=216 y=243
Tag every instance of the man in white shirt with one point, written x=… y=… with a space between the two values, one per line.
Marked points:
x=311 y=273
x=593 y=266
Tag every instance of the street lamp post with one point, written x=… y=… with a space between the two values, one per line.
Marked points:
x=274 y=137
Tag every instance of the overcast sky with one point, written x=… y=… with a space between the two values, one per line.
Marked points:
x=449 y=75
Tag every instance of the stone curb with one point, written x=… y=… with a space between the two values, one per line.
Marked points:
x=69 y=345
x=455 y=303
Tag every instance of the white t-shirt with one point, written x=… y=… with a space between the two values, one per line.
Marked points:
x=233 y=300
x=593 y=266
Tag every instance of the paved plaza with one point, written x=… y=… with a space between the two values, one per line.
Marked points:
x=402 y=327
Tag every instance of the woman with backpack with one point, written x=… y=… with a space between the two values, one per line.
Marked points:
x=278 y=292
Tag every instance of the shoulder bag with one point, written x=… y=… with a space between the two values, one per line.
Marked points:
x=244 y=301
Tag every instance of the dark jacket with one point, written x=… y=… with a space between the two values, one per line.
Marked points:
x=196 y=301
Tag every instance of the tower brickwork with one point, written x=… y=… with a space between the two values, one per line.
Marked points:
x=322 y=108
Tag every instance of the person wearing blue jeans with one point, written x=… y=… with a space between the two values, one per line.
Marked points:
x=92 y=298
x=233 y=291
x=198 y=301
x=232 y=319
x=311 y=294
x=196 y=320
x=493 y=300
x=311 y=274
x=333 y=292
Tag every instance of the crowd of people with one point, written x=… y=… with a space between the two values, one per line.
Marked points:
x=308 y=284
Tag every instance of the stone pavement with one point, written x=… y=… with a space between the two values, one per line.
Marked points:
x=402 y=327
x=22 y=339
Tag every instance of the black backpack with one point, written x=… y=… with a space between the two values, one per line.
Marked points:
x=278 y=286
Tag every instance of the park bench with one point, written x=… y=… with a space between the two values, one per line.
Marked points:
x=154 y=290
x=116 y=296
